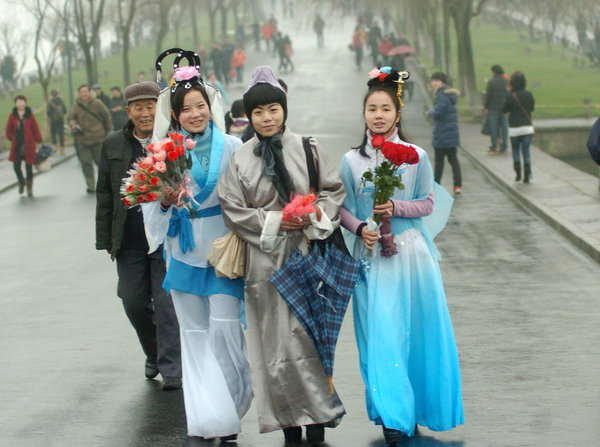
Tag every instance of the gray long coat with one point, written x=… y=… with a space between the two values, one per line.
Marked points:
x=290 y=385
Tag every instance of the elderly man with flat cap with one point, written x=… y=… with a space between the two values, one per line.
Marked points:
x=122 y=234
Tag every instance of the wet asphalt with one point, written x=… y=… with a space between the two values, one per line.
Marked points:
x=523 y=303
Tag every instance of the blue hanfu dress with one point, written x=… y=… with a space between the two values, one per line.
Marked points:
x=216 y=373
x=407 y=351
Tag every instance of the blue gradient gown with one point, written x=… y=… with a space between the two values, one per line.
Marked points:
x=408 y=356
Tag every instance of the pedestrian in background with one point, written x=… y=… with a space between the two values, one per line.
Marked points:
x=290 y=384
x=319 y=27
x=446 y=137
x=217 y=388
x=117 y=106
x=238 y=60
x=236 y=121
x=120 y=231
x=24 y=133
x=374 y=37
x=407 y=352
x=99 y=94
x=55 y=111
x=519 y=105
x=495 y=97
x=90 y=123
x=385 y=46
x=358 y=39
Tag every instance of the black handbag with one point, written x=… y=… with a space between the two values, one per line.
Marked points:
x=336 y=239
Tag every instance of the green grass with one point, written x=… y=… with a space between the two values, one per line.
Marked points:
x=558 y=87
x=110 y=73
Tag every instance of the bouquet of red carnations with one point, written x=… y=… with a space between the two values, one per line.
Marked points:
x=386 y=180
x=165 y=168
x=299 y=207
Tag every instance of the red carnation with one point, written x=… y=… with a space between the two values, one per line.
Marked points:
x=177 y=138
x=154 y=181
x=151 y=196
x=142 y=177
x=169 y=146
x=377 y=141
x=172 y=155
x=144 y=188
x=180 y=150
x=143 y=165
x=151 y=169
x=151 y=147
x=412 y=157
x=128 y=203
x=129 y=188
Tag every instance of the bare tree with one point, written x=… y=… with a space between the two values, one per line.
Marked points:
x=11 y=45
x=163 y=9
x=125 y=14
x=462 y=12
x=45 y=44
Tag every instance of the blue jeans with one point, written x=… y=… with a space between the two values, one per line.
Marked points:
x=498 y=128
x=521 y=144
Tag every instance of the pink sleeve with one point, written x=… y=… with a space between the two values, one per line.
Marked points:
x=413 y=208
x=349 y=222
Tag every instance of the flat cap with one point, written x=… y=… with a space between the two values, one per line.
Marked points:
x=141 y=90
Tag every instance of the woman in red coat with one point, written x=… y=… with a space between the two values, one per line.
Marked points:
x=23 y=131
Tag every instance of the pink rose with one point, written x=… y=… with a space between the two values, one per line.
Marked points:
x=160 y=156
x=190 y=144
x=148 y=160
x=185 y=73
x=160 y=166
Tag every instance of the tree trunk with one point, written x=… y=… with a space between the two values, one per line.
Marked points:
x=195 y=35
x=125 y=56
x=466 y=67
x=446 y=26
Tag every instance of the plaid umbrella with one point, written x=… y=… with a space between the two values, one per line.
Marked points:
x=317 y=289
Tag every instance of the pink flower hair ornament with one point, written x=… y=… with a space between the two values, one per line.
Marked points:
x=185 y=73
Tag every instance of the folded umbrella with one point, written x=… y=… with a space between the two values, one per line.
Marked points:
x=317 y=288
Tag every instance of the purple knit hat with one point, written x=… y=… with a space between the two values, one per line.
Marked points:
x=264 y=75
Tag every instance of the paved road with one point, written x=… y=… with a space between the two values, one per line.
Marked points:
x=523 y=303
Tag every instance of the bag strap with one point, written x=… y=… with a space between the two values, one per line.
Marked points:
x=91 y=113
x=313 y=177
x=523 y=108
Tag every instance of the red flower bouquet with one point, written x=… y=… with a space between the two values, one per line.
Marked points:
x=299 y=207
x=165 y=168
x=386 y=179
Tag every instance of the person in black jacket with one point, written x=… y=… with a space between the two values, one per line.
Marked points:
x=446 y=136
x=495 y=96
x=519 y=105
x=121 y=232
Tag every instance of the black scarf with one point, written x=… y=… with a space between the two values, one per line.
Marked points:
x=270 y=149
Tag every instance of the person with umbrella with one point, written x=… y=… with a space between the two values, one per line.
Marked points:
x=291 y=387
x=407 y=352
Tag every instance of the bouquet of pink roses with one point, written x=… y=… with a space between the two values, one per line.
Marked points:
x=386 y=179
x=165 y=168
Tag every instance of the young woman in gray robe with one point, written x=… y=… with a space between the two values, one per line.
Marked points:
x=290 y=386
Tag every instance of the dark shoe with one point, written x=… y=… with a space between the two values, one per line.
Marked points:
x=527 y=173
x=171 y=383
x=315 y=434
x=228 y=438
x=90 y=190
x=392 y=436
x=457 y=190
x=517 y=167
x=29 y=188
x=21 y=186
x=292 y=434
x=151 y=370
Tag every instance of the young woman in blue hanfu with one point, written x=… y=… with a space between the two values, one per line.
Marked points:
x=216 y=375
x=408 y=355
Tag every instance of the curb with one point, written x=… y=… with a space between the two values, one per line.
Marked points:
x=15 y=183
x=539 y=210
